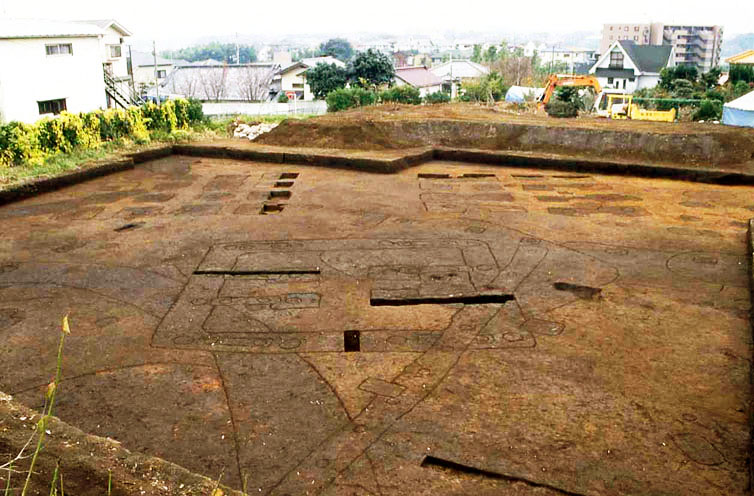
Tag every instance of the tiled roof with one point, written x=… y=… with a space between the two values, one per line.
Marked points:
x=418 y=77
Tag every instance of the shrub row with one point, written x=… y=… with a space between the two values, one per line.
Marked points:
x=345 y=98
x=31 y=143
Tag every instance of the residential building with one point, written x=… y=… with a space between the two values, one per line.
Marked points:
x=743 y=58
x=220 y=82
x=576 y=60
x=419 y=77
x=640 y=34
x=456 y=72
x=293 y=77
x=629 y=67
x=146 y=73
x=699 y=46
x=74 y=66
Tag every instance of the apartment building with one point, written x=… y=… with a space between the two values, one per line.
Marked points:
x=694 y=45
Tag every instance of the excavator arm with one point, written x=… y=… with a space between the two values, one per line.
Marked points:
x=556 y=80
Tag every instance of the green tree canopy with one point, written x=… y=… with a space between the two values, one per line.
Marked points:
x=371 y=69
x=223 y=52
x=324 y=78
x=339 y=48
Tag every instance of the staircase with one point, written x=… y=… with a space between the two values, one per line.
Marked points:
x=121 y=94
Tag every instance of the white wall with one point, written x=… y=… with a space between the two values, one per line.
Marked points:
x=145 y=74
x=295 y=80
x=119 y=64
x=29 y=75
x=248 y=108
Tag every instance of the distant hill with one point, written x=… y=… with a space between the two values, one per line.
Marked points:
x=737 y=44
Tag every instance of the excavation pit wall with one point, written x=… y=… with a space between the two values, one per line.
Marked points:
x=706 y=147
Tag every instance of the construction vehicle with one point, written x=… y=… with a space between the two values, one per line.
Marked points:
x=621 y=106
x=558 y=80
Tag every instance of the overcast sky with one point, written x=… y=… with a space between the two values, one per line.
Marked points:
x=169 y=19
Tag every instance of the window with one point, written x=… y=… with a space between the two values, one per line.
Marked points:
x=52 y=106
x=162 y=74
x=115 y=51
x=59 y=49
x=609 y=80
x=611 y=28
x=626 y=28
x=636 y=38
x=636 y=28
x=616 y=60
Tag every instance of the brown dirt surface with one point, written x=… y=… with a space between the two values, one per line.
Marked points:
x=448 y=329
x=385 y=127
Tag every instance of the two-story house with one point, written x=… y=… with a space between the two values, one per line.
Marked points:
x=629 y=67
x=292 y=79
x=51 y=66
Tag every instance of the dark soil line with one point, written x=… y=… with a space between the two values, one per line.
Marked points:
x=439 y=463
x=607 y=167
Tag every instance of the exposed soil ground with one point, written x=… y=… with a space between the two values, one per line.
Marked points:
x=449 y=329
x=471 y=126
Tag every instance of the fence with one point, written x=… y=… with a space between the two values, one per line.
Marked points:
x=269 y=108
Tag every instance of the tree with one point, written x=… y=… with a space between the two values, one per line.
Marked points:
x=254 y=82
x=371 y=69
x=710 y=79
x=324 y=78
x=213 y=82
x=491 y=54
x=224 y=52
x=476 y=56
x=339 y=48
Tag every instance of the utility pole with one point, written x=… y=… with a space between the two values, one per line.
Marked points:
x=238 y=51
x=156 y=82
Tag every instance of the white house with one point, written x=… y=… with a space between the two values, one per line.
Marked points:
x=418 y=77
x=144 y=71
x=50 y=66
x=630 y=67
x=293 y=77
x=455 y=72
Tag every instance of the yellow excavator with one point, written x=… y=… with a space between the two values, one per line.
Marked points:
x=556 y=80
x=609 y=103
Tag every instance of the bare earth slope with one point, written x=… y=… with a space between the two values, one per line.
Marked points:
x=469 y=126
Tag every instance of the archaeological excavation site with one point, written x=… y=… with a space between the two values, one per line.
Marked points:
x=390 y=301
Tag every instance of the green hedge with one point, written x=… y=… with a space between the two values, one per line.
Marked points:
x=559 y=108
x=346 y=98
x=437 y=97
x=31 y=143
x=402 y=94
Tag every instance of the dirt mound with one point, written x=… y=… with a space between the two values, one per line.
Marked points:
x=468 y=126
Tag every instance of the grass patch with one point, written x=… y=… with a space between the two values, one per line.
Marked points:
x=77 y=159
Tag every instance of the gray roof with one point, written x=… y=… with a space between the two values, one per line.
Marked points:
x=231 y=82
x=312 y=62
x=648 y=58
x=142 y=59
x=614 y=73
x=460 y=69
x=27 y=28
x=36 y=28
